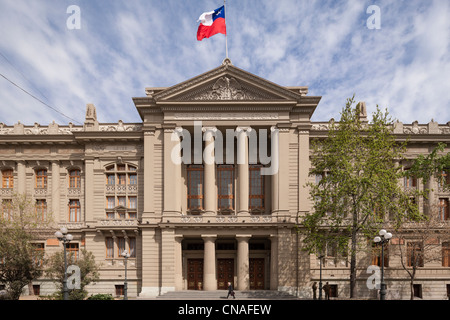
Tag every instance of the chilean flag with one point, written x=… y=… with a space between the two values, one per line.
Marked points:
x=211 y=23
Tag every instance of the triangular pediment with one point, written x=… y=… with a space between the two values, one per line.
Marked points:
x=226 y=83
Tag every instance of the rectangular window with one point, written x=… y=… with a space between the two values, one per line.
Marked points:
x=41 y=178
x=39 y=254
x=414 y=254
x=110 y=179
x=122 y=201
x=132 y=202
x=121 y=167
x=444 y=212
x=132 y=179
x=409 y=182
x=445 y=179
x=72 y=250
x=121 y=179
x=256 y=188
x=74 y=210
x=7 y=179
x=446 y=254
x=109 y=247
x=119 y=290
x=132 y=247
x=7 y=209
x=376 y=255
x=195 y=187
x=110 y=215
x=41 y=208
x=110 y=202
x=120 y=246
x=225 y=179
x=74 y=179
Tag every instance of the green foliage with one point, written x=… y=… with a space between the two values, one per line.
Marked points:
x=88 y=268
x=357 y=184
x=101 y=297
x=20 y=226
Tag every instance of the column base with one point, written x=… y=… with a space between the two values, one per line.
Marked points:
x=153 y=292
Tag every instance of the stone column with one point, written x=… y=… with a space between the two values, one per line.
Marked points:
x=56 y=193
x=209 y=263
x=209 y=171
x=172 y=171
x=242 y=160
x=274 y=178
x=89 y=189
x=178 y=250
x=273 y=262
x=303 y=167
x=243 y=278
x=149 y=146
x=21 y=177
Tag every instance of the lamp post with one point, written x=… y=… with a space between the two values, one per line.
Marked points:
x=126 y=255
x=65 y=237
x=382 y=239
x=320 y=277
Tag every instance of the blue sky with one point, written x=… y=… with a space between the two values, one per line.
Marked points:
x=124 y=46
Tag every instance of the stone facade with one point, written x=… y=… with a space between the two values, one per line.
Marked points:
x=115 y=186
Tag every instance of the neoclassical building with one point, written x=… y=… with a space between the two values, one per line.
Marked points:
x=193 y=219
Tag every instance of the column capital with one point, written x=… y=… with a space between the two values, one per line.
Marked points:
x=243 y=129
x=207 y=129
x=243 y=237
x=209 y=237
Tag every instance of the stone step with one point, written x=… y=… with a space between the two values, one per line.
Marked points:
x=222 y=294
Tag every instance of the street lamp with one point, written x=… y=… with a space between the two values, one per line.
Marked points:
x=65 y=237
x=382 y=239
x=320 y=277
x=126 y=255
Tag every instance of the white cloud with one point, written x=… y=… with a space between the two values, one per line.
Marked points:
x=123 y=47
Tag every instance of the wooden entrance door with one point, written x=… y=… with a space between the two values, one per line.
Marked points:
x=256 y=270
x=195 y=274
x=225 y=273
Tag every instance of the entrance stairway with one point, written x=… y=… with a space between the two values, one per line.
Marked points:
x=222 y=295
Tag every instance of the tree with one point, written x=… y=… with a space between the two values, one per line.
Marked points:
x=420 y=243
x=20 y=260
x=356 y=187
x=89 y=272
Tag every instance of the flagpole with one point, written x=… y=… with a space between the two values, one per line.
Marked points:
x=226 y=33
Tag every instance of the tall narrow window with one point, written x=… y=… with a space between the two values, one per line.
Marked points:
x=445 y=179
x=414 y=254
x=74 y=210
x=195 y=187
x=132 y=247
x=409 y=182
x=446 y=254
x=72 y=250
x=444 y=210
x=120 y=246
x=110 y=202
x=121 y=179
x=225 y=178
x=256 y=188
x=132 y=202
x=7 y=179
x=41 y=208
x=7 y=209
x=41 y=178
x=376 y=254
x=38 y=254
x=74 y=178
x=109 y=247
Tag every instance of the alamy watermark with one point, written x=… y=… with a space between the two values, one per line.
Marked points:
x=374 y=21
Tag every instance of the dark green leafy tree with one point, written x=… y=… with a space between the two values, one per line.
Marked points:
x=357 y=185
